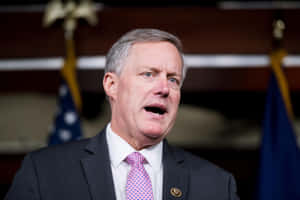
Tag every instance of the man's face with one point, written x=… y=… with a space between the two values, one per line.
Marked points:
x=147 y=93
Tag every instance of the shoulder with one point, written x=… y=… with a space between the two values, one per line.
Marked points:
x=62 y=150
x=50 y=162
x=215 y=182
x=201 y=167
x=71 y=150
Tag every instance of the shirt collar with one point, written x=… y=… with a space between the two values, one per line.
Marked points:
x=119 y=149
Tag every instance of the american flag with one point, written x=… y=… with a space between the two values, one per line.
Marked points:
x=67 y=120
x=280 y=156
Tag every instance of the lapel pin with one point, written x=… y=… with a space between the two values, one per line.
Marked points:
x=176 y=192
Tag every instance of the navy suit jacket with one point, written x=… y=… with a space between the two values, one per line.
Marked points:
x=81 y=171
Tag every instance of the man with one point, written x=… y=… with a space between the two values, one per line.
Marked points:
x=130 y=158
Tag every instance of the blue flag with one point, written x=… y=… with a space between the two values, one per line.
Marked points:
x=67 y=122
x=279 y=177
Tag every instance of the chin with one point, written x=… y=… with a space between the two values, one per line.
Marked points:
x=154 y=133
x=150 y=140
x=154 y=130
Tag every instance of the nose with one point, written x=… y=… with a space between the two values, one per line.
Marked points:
x=162 y=88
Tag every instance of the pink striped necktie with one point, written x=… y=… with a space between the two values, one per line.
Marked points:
x=138 y=186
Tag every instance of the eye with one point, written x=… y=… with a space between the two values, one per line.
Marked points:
x=147 y=74
x=174 y=80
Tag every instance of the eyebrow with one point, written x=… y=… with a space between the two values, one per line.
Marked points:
x=157 y=70
x=174 y=74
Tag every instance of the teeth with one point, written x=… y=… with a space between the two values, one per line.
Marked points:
x=155 y=110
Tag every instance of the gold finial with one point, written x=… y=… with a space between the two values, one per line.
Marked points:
x=70 y=12
x=278 y=29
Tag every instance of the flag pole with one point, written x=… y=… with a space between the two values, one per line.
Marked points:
x=67 y=121
x=277 y=55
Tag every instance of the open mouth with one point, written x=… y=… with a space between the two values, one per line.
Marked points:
x=156 y=109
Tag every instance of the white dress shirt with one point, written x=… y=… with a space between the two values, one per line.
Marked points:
x=119 y=149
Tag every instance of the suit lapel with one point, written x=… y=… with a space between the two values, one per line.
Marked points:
x=97 y=169
x=176 y=175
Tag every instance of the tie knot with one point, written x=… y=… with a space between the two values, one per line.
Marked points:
x=135 y=159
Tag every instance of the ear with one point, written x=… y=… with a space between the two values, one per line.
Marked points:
x=110 y=84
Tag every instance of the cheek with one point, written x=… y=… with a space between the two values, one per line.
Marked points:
x=176 y=98
x=133 y=97
x=175 y=103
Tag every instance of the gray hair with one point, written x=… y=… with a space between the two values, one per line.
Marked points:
x=120 y=49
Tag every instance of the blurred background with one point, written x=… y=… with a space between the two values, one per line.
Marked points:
x=227 y=46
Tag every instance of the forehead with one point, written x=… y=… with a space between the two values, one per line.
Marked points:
x=155 y=54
